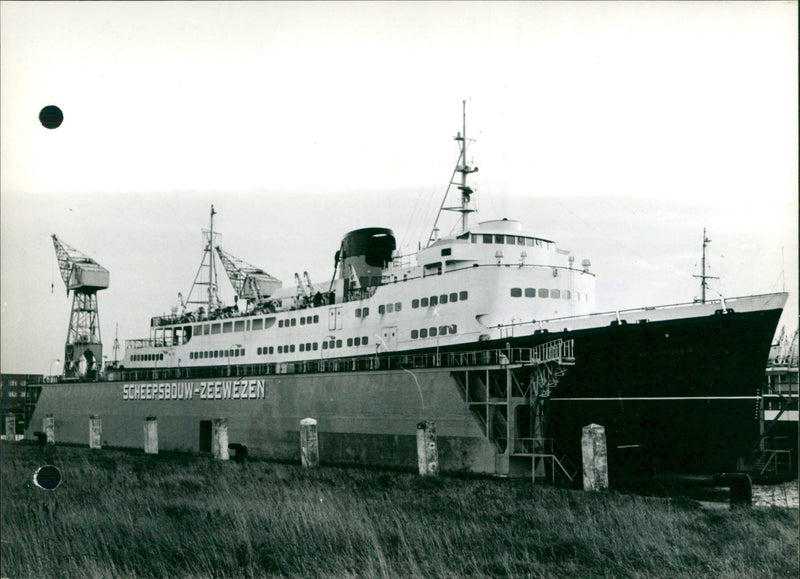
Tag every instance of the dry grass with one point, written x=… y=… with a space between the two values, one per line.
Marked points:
x=128 y=515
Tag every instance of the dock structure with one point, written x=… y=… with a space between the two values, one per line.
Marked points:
x=489 y=408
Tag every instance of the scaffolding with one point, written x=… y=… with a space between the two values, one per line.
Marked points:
x=510 y=401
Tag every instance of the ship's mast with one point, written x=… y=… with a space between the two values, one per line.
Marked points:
x=212 y=302
x=703 y=277
x=466 y=191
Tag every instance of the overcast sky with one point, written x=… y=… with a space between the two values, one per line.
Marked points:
x=620 y=130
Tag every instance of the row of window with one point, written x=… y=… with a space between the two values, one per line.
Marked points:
x=223 y=328
x=304 y=320
x=389 y=308
x=511 y=240
x=233 y=353
x=555 y=294
x=146 y=357
x=440 y=299
x=433 y=332
x=313 y=346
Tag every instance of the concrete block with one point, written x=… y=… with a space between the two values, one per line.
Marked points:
x=11 y=427
x=219 y=439
x=95 y=432
x=595 y=458
x=151 y=435
x=309 y=443
x=427 y=451
x=49 y=428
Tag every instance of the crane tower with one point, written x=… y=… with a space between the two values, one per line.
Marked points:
x=83 y=351
x=249 y=282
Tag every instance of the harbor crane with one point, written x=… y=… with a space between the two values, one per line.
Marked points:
x=83 y=351
x=249 y=282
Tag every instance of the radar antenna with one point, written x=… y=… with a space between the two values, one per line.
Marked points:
x=83 y=350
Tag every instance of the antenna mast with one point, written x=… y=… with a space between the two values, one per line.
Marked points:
x=466 y=191
x=212 y=302
x=703 y=276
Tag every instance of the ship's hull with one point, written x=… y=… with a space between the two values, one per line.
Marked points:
x=677 y=395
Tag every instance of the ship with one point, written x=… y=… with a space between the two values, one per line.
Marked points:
x=490 y=332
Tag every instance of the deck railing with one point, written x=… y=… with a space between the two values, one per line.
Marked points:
x=556 y=350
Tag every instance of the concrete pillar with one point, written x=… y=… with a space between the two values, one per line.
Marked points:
x=95 y=431
x=309 y=443
x=11 y=427
x=49 y=428
x=219 y=439
x=741 y=488
x=151 y=435
x=427 y=452
x=595 y=458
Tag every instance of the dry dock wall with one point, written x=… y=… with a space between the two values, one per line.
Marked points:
x=363 y=418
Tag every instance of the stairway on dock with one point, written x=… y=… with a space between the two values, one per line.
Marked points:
x=510 y=402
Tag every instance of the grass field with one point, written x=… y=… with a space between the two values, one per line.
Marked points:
x=120 y=514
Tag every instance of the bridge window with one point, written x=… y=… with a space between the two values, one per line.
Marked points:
x=443 y=299
x=238 y=326
x=447 y=251
x=434 y=300
x=565 y=294
x=454 y=297
x=356 y=341
x=462 y=295
x=227 y=327
x=415 y=303
x=543 y=293
x=291 y=348
x=215 y=328
x=389 y=308
x=511 y=239
x=358 y=312
x=364 y=313
x=530 y=292
x=423 y=333
x=414 y=334
x=499 y=238
x=302 y=321
x=442 y=330
x=487 y=238
x=516 y=292
x=258 y=324
x=349 y=342
x=398 y=306
x=381 y=309
x=423 y=302
x=294 y=322
x=338 y=343
x=432 y=332
x=364 y=340
x=555 y=294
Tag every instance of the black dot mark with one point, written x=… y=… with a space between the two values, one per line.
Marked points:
x=51 y=117
x=47 y=477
